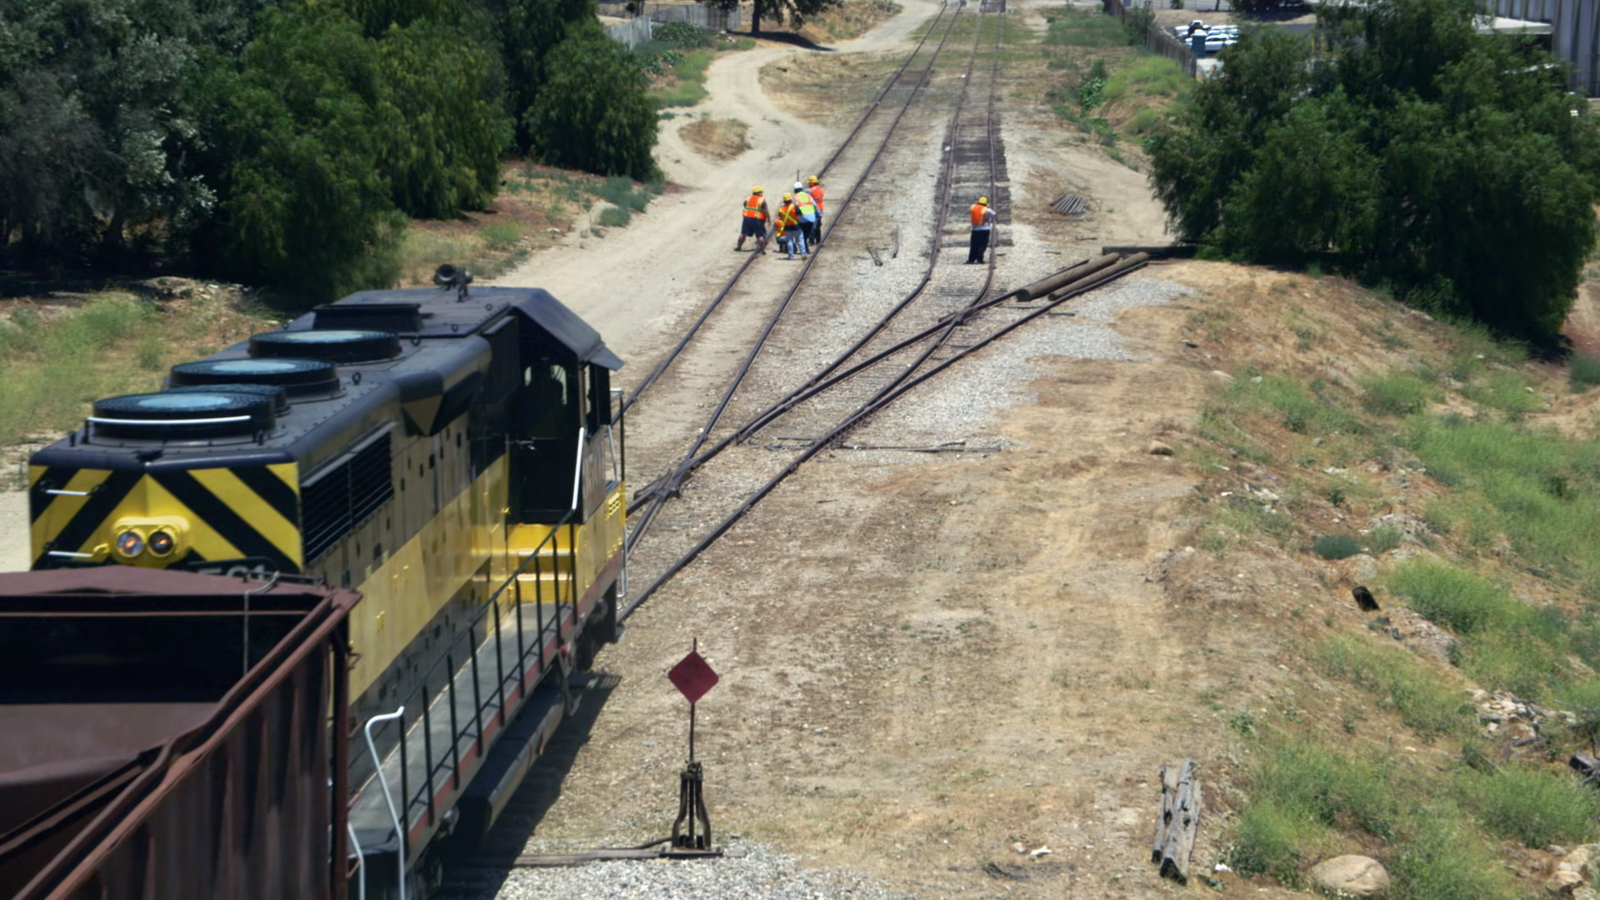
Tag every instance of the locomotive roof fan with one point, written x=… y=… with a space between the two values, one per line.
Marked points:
x=333 y=345
x=296 y=377
x=448 y=276
x=185 y=415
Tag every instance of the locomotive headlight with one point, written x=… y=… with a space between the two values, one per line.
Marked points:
x=130 y=544
x=161 y=543
x=155 y=541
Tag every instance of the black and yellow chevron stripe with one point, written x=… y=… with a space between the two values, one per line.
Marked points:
x=247 y=512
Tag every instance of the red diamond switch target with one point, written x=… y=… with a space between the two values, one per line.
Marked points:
x=693 y=676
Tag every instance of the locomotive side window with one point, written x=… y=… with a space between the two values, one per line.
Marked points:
x=547 y=399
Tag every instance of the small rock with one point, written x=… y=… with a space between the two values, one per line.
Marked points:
x=1563 y=882
x=1221 y=375
x=1019 y=847
x=1157 y=448
x=1042 y=851
x=1351 y=876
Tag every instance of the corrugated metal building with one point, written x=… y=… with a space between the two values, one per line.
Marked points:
x=1574 y=32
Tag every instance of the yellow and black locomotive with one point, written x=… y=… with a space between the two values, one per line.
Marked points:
x=454 y=455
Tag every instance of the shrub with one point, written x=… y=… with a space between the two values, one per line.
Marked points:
x=615 y=216
x=1531 y=805
x=1459 y=600
x=1138 y=23
x=1583 y=371
x=1384 y=538
x=1440 y=860
x=1396 y=394
x=1336 y=546
x=683 y=35
x=1399 y=679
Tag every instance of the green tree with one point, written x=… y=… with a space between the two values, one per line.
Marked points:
x=794 y=12
x=443 y=130
x=305 y=205
x=1448 y=164
x=595 y=113
x=531 y=30
x=94 y=126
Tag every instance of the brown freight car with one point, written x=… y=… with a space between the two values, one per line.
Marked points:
x=167 y=735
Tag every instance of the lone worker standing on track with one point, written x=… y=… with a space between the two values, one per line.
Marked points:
x=754 y=221
x=982 y=223
x=815 y=190
x=808 y=213
x=791 y=235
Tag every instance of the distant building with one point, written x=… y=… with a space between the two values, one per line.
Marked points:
x=1569 y=28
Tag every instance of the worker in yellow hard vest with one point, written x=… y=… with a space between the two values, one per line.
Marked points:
x=807 y=208
x=791 y=237
x=754 y=223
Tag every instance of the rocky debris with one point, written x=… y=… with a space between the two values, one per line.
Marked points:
x=1350 y=876
x=1523 y=721
x=1157 y=448
x=1409 y=628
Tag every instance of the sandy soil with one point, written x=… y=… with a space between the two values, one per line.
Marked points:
x=636 y=283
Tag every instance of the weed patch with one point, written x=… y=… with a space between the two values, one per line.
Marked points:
x=1532 y=805
x=1399 y=680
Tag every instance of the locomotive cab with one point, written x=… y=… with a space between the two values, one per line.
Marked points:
x=562 y=423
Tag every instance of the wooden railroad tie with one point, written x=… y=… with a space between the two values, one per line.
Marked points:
x=1070 y=205
x=1178 y=821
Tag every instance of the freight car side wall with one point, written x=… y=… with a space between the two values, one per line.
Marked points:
x=247 y=818
x=241 y=805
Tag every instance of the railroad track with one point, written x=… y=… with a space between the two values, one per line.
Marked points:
x=972 y=165
x=951 y=312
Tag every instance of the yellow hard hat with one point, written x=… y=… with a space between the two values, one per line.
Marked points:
x=788 y=196
x=756 y=189
x=983 y=201
x=813 y=179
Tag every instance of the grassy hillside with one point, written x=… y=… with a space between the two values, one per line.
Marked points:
x=1364 y=443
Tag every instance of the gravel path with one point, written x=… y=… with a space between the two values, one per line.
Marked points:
x=749 y=872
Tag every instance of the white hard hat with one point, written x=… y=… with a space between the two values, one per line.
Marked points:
x=798 y=186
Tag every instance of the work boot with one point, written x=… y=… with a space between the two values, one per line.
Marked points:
x=738 y=247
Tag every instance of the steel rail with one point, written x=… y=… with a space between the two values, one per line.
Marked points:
x=642 y=526
x=889 y=85
x=821 y=382
x=942 y=206
x=1125 y=267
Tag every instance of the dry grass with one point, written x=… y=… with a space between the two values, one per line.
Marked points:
x=719 y=139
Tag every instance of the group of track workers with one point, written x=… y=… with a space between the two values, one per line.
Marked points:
x=798 y=224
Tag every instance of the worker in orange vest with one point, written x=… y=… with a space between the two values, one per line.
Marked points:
x=982 y=223
x=815 y=190
x=791 y=234
x=754 y=223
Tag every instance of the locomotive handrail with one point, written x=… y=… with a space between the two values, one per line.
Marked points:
x=449 y=764
x=577 y=469
x=383 y=781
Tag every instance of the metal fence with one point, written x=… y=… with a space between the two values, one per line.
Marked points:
x=704 y=15
x=1159 y=40
x=632 y=32
x=1165 y=43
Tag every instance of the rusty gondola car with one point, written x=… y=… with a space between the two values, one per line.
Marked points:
x=165 y=736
